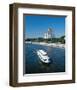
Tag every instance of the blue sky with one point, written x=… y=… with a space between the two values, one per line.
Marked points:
x=36 y=26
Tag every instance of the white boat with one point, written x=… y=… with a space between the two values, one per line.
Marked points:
x=43 y=56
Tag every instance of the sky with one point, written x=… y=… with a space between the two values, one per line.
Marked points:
x=36 y=26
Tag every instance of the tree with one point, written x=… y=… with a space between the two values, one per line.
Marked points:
x=62 y=39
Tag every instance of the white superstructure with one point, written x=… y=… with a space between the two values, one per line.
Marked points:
x=43 y=56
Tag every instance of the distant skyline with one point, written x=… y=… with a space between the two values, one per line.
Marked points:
x=36 y=26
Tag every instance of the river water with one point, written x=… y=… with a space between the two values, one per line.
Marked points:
x=33 y=64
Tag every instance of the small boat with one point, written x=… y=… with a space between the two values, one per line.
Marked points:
x=43 y=56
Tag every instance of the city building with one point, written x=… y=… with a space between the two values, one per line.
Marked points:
x=48 y=34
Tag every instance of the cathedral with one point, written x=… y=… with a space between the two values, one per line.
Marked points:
x=48 y=34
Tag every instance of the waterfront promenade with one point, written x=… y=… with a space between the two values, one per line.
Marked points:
x=48 y=44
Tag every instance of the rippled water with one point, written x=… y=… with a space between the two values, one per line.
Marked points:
x=34 y=65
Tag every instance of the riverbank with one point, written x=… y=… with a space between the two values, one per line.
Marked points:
x=48 y=44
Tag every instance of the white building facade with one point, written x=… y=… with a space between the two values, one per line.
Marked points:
x=48 y=34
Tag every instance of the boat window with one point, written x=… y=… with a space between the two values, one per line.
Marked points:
x=44 y=59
